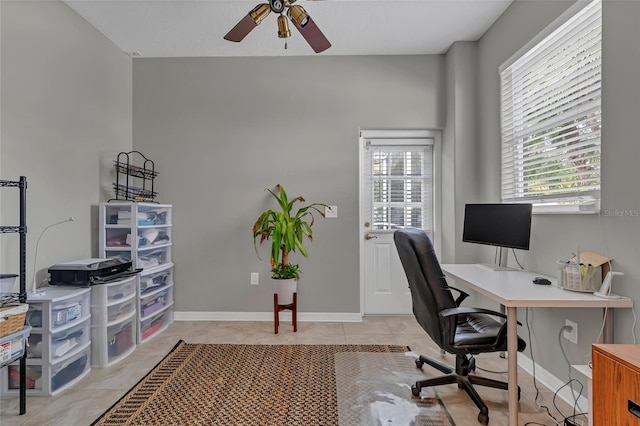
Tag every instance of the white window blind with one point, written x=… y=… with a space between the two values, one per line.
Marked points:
x=400 y=183
x=551 y=118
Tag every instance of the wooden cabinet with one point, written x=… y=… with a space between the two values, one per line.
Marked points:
x=616 y=384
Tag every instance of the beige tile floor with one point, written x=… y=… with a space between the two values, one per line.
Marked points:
x=103 y=386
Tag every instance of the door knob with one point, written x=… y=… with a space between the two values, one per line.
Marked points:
x=368 y=236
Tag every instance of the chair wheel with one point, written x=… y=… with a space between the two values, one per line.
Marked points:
x=415 y=390
x=483 y=418
x=419 y=363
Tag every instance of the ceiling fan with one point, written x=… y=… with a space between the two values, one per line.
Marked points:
x=301 y=20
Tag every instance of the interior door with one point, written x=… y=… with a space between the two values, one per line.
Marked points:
x=399 y=187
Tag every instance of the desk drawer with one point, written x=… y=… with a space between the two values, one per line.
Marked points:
x=616 y=389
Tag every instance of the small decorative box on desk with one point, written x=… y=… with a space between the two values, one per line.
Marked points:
x=59 y=344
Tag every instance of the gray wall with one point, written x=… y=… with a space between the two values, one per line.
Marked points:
x=460 y=150
x=555 y=236
x=66 y=113
x=221 y=130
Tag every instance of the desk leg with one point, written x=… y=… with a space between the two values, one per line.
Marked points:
x=607 y=333
x=512 y=351
x=503 y=310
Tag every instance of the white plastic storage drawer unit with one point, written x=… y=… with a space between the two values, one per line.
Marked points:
x=59 y=343
x=142 y=232
x=113 y=321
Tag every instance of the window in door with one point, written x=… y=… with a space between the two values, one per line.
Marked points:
x=399 y=177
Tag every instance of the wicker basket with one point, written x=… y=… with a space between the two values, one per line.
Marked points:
x=12 y=318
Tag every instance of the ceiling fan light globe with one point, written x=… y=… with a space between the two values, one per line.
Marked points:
x=260 y=12
x=298 y=15
x=283 y=27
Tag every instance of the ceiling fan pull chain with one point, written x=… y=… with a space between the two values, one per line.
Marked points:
x=285 y=45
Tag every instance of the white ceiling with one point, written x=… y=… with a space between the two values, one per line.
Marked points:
x=187 y=28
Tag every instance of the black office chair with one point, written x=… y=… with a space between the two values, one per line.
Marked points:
x=457 y=330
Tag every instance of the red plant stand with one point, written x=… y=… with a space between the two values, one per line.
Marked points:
x=293 y=307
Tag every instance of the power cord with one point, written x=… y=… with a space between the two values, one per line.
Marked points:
x=565 y=419
x=575 y=405
x=566 y=358
x=603 y=238
x=633 y=327
x=515 y=256
x=533 y=372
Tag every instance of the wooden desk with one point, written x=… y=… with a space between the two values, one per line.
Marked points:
x=515 y=289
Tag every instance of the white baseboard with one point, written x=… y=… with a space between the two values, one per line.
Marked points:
x=267 y=316
x=552 y=382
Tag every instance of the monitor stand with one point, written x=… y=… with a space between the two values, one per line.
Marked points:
x=494 y=267
x=502 y=266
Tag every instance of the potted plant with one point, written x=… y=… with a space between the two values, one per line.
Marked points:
x=286 y=228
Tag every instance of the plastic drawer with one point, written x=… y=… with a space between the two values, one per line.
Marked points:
x=119 y=291
x=123 y=254
x=103 y=315
x=118 y=215
x=151 y=258
x=110 y=344
x=156 y=280
x=70 y=369
x=62 y=342
x=154 y=302
x=120 y=338
x=12 y=346
x=149 y=237
x=120 y=310
x=151 y=326
x=63 y=311
x=34 y=377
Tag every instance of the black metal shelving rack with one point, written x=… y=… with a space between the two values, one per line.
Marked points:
x=22 y=295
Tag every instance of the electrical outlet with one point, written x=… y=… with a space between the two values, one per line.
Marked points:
x=255 y=278
x=571 y=335
x=331 y=212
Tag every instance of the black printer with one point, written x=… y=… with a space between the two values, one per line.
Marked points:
x=87 y=272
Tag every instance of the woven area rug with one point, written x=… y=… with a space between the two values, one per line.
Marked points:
x=229 y=384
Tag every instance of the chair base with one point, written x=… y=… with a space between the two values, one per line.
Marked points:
x=277 y=308
x=460 y=376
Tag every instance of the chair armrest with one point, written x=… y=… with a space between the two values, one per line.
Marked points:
x=461 y=295
x=464 y=310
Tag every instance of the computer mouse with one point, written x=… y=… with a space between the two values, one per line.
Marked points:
x=541 y=281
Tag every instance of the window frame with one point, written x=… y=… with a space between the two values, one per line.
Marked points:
x=577 y=201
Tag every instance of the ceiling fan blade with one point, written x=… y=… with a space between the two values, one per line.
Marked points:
x=241 y=29
x=313 y=35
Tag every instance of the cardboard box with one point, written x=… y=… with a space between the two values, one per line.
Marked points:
x=590 y=258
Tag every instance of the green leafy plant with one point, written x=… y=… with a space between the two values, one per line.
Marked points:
x=286 y=228
x=282 y=272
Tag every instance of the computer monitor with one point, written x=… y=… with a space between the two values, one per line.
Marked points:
x=501 y=225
